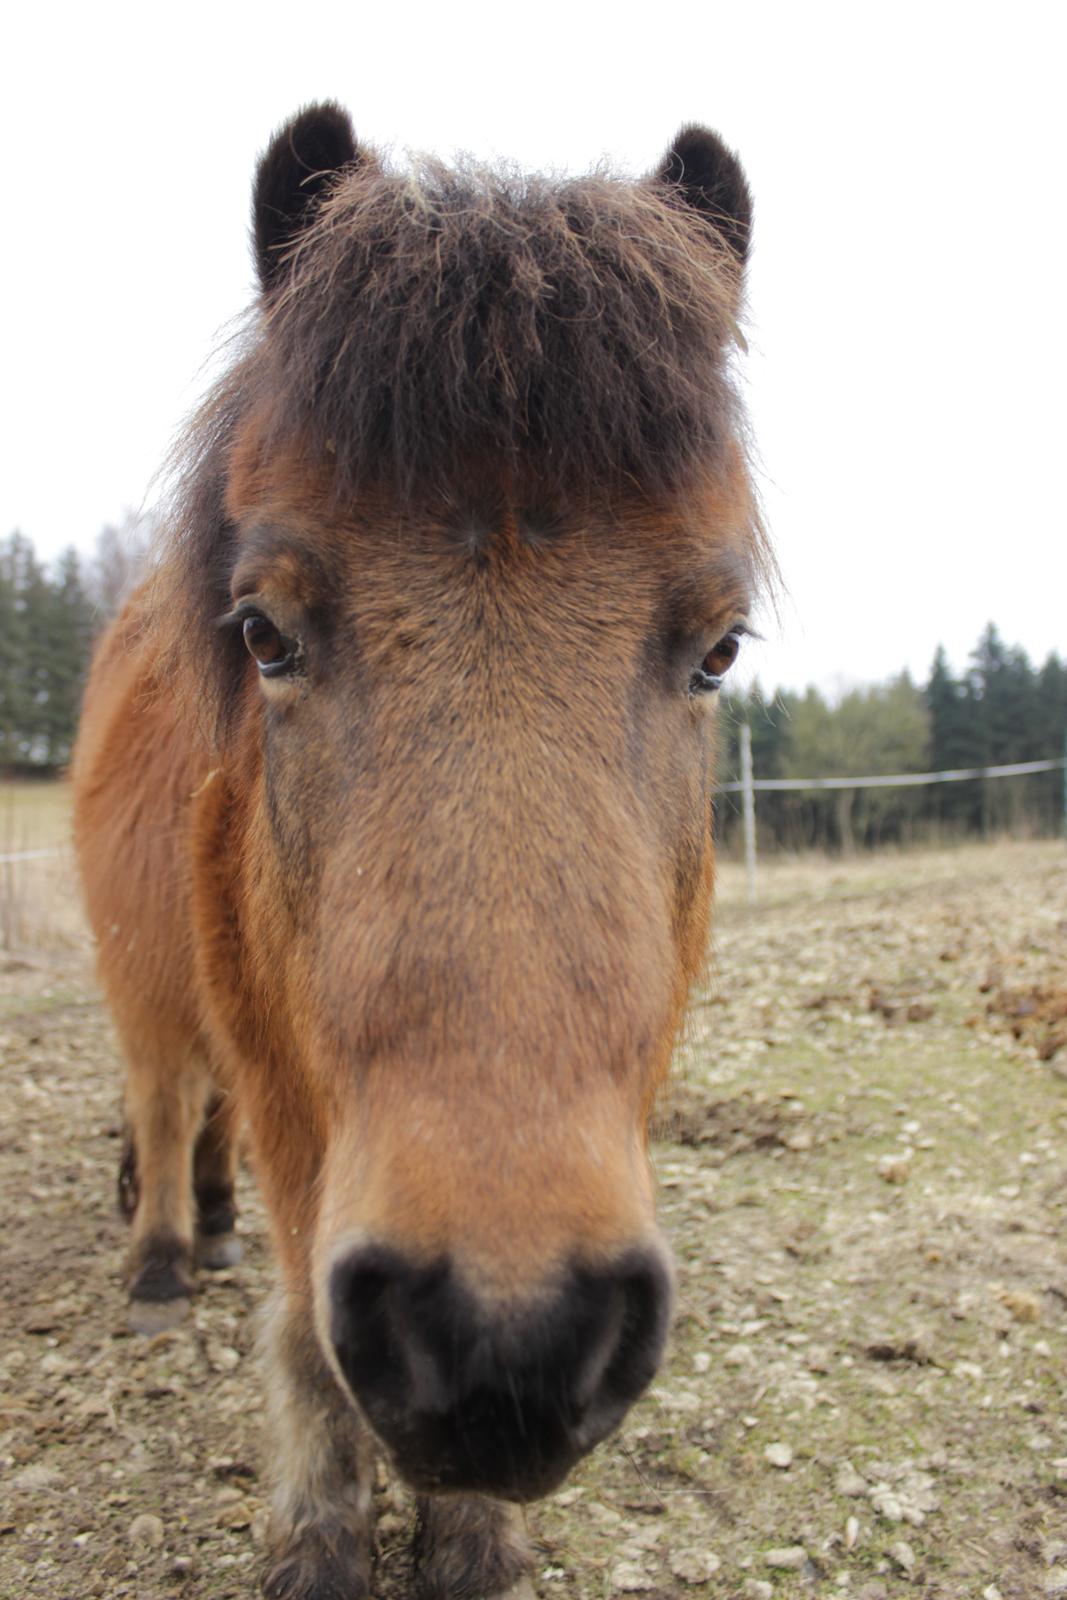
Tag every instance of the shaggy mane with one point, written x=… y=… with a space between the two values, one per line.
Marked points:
x=573 y=333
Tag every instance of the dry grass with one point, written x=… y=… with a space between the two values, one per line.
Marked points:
x=39 y=904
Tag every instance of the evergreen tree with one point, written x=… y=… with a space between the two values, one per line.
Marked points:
x=67 y=627
x=955 y=742
x=1051 y=733
x=17 y=711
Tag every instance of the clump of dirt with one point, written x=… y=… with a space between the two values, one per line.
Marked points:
x=728 y=1126
x=897 y=1008
x=1035 y=1013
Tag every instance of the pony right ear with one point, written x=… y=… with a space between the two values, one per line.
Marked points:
x=294 y=173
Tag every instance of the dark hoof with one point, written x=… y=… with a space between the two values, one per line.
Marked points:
x=149 y=1317
x=161 y=1283
x=217 y=1251
x=319 y=1565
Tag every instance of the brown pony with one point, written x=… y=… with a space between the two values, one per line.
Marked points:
x=394 y=815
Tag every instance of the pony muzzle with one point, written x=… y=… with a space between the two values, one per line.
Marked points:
x=491 y=1396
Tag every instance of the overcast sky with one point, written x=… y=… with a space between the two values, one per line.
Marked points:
x=907 y=323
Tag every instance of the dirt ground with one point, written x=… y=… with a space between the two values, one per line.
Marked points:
x=864 y=1174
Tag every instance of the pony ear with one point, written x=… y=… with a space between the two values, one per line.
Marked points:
x=709 y=177
x=292 y=175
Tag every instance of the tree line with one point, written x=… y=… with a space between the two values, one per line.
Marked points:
x=49 y=617
x=1000 y=710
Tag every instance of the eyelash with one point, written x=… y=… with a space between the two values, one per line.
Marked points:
x=706 y=681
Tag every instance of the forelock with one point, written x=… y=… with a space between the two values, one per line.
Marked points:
x=574 y=334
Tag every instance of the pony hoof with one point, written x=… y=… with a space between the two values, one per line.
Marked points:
x=217 y=1251
x=314 y=1568
x=149 y=1317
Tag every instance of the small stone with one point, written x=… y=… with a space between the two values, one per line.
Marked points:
x=223 y=1357
x=147 y=1530
x=678 y=1400
x=991 y=1592
x=758 y=1589
x=37 y=1476
x=903 y=1555
x=630 y=1578
x=791 y=1558
x=694 y=1566
x=1056 y=1582
x=93 y=1405
x=852 y=1533
x=778 y=1455
x=1024 y=1307
x=895 y=1169
x=887 y=1503
x=57 y=1366
x=235 y=1517
x=848 y=1481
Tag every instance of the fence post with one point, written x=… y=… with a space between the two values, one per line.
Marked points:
x=748 y=810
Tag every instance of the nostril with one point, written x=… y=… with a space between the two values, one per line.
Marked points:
x=630 y=1346
x=372 y=1329
x=601 y=1350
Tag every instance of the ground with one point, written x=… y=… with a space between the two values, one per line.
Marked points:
x=863 y=1173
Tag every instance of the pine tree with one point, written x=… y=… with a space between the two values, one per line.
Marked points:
x=17 y=566
x=68 y=628
x=956 y=741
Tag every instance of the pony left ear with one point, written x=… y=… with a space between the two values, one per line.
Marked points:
x=710 y=178
x=296 y=170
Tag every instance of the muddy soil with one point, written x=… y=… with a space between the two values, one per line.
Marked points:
x=863 y=1170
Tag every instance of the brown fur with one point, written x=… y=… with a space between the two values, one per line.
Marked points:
x=426 y=911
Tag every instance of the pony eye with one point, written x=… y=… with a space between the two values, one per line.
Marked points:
x=716 y=664
x=273 y=653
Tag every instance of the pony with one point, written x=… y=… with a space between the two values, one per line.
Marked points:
x=393 y=812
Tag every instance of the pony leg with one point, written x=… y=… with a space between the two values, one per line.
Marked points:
x=467 y=1546
x=319 y=1538
x=214 y=1174
x=166 y=1092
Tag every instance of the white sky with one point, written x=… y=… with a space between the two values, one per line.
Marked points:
x=908 y=332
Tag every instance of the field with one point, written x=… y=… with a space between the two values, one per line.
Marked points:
x=863 y=1170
